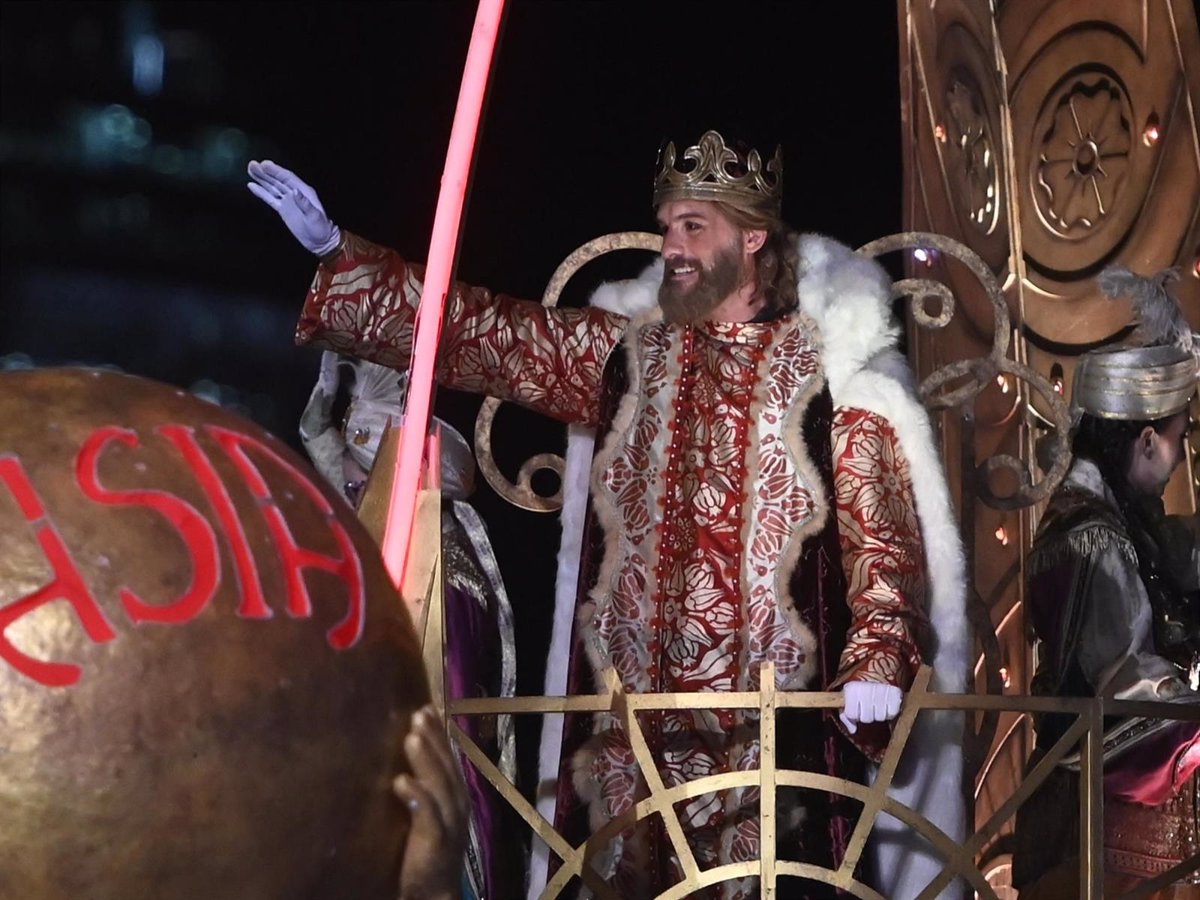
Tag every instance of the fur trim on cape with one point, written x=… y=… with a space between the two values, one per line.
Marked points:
x=849 y=297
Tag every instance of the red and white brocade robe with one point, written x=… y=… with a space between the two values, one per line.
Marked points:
x=724 y=464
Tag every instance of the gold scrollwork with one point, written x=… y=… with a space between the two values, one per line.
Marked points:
x=521 y=493
x=944 y=388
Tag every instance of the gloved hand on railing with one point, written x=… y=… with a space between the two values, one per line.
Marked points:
x=296 y=203
x=868 y=702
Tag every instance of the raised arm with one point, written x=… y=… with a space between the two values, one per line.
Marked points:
x=363 y=302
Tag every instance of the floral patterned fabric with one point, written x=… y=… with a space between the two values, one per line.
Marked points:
x=706 y=491
x=364 y=303
x=881 y=549
x=711 y=495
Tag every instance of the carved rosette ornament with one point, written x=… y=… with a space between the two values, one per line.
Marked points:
x=977 y=172
x=1084 y=138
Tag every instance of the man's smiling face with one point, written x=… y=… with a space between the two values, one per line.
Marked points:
x=703 y=258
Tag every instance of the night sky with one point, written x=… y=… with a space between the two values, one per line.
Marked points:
x=186 y=278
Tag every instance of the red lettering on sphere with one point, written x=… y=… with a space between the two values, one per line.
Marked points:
x=347 y=566
x=253 y=604
x=67 y=584
x=195 y=531
x=198 y=536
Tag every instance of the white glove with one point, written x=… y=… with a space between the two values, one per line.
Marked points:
x=296 y=203
x=868 y=702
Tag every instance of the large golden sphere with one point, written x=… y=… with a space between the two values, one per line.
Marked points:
x=205 y=673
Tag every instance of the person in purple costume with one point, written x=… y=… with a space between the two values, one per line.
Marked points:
x=480 y=658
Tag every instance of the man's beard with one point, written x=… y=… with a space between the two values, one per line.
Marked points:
x=688 y=305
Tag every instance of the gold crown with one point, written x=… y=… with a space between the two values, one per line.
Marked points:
x=718 y=172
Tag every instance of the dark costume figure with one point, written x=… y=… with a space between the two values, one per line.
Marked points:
x=1114 y=599
x=766 y=488
x=480 y=647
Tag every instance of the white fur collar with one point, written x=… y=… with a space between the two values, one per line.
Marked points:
x=633 y=297
x=849 y=298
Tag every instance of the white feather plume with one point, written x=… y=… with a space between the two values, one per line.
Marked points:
x=1159 y=317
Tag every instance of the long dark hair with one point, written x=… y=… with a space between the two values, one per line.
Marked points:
x=775 y=262
x=1110 y=444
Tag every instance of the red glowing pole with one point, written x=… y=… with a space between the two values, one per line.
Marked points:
x=439 y=270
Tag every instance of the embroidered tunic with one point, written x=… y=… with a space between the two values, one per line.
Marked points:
x=707 y=488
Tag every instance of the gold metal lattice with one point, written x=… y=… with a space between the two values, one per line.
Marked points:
x=1086 y=732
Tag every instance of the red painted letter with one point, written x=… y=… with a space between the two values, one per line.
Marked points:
x=348 y=566
x=193 y=528
x=67 y=585
x=253 y=605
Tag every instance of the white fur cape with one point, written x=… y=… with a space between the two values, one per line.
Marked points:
x=848 y=297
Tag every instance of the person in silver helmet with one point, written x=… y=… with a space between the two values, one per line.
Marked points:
x=1114 y=597
x=480 y=644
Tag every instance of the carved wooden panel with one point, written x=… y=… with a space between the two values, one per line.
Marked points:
x=1053 y=138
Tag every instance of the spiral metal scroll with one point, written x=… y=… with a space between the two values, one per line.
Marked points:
x=942 y=388
x=521 y=493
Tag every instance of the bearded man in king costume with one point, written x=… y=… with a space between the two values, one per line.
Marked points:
x=766 y=489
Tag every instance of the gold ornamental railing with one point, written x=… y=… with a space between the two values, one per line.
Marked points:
x=1085 y=736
